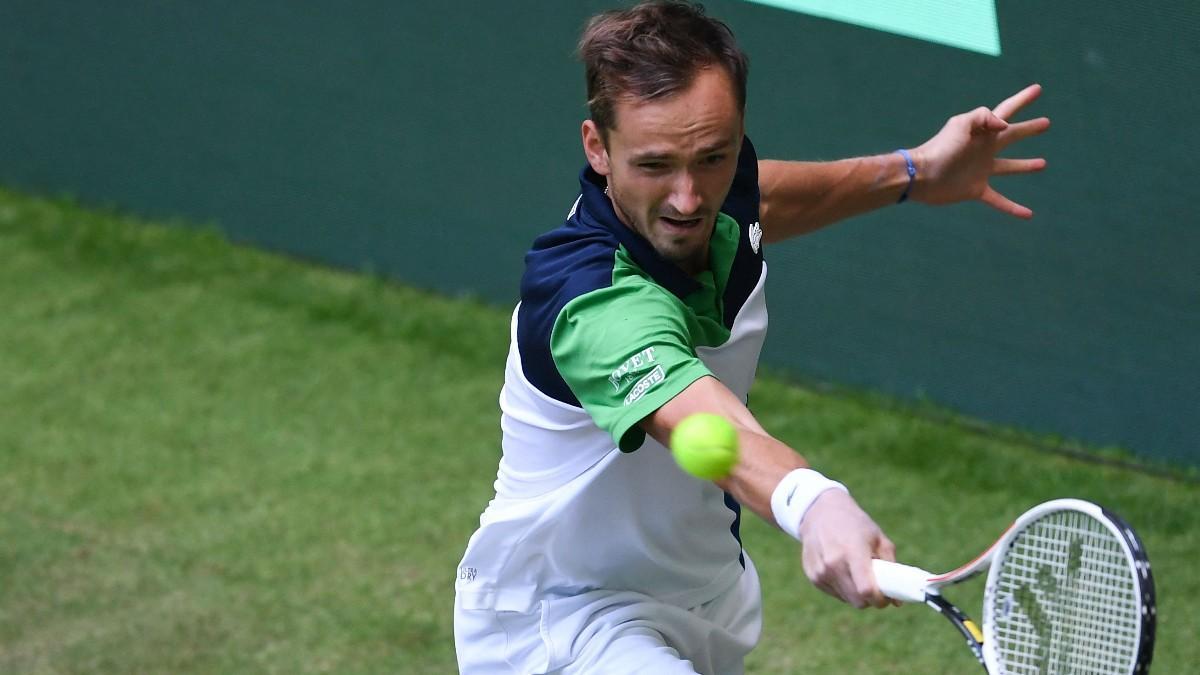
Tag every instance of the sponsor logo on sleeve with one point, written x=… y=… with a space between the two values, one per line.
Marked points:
x=652 y=379
x=632 y=365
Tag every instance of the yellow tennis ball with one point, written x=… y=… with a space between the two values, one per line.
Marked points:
x=705 y=445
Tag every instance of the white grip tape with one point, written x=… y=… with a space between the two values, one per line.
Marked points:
x=795 y=493
x=902 y=582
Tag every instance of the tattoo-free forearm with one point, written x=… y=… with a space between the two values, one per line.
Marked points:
x=800 y=197
x=762 y=462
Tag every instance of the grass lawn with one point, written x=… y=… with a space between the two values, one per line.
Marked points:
x=215 y=460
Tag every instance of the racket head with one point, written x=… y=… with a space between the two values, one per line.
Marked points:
x=1069 y=590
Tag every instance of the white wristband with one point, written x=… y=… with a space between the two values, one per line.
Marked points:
x=795 y=493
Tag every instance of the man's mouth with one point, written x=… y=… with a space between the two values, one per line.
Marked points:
x=681 y=223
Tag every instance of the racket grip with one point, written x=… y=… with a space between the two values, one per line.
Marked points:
x=901 y=582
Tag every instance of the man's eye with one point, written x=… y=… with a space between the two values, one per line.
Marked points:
x=714 y=159
x=652 y=166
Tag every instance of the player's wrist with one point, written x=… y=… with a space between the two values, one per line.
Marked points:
x=910 y=171
x=795 y=494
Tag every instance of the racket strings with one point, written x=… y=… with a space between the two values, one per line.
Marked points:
x=1066 y=600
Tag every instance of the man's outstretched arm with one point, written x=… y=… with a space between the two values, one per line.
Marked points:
x=839 y=538
x=955 y=165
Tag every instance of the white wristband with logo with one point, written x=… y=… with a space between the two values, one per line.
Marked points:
x=795 y=493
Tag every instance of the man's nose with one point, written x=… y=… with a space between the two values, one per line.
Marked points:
x=685 y=197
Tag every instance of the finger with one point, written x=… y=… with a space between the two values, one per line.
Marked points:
x=836 y=579
x=983 y=120
x=829 y=590
x=1011 y=105
x=842 y=586
x=865 y=586
x=1022 y=130
x=885 y=549
x=859 y=578
x=840 y=591
x=1005 y=167
x=1004 y=204
x=820 y=575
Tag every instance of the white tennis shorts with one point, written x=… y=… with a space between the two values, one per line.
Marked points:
x=618 y=632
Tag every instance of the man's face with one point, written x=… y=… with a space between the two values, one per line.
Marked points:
x=670 y=163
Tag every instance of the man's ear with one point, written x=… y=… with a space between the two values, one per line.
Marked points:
x=594 y=148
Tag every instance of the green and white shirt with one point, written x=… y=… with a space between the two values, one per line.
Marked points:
x=605 y=334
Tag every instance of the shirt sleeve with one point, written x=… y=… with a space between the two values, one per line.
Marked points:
x=624 y=351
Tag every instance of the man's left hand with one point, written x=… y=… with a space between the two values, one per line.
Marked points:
x=958 y=162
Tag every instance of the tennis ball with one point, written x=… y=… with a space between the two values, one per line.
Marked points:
x=705 y=445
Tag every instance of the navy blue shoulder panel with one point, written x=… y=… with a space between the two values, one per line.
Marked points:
x=562 y=265
x=742 y=201
x=578 y=258
x=742 y=206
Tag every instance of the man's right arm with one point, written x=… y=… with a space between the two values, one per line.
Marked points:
x=839 y=538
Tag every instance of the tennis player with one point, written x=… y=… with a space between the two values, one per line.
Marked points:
x=598 y=554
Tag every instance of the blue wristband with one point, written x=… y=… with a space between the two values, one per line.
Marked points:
x=912 y=174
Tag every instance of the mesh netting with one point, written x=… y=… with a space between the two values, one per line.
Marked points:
x=1066 y=600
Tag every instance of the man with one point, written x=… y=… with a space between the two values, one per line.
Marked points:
x=598 y=554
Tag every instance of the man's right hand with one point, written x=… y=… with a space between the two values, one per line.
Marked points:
x=840 y=540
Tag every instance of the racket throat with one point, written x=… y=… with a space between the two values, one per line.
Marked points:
x=966 y=627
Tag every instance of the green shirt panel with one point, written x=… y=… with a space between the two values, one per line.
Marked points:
x=627 y=349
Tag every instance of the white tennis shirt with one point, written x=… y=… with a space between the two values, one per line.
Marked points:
x=606 y=332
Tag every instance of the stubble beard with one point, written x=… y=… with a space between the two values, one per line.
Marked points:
x=691 y=257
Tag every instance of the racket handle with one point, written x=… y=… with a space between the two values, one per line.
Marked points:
x=901 y=582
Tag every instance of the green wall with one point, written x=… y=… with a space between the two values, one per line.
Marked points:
x=432 y=141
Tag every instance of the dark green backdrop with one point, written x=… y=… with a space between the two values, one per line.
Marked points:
x=432 y=141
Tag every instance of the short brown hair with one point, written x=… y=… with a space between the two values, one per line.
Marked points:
x=654 y=50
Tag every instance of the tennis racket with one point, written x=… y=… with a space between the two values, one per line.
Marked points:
x=1068 y=591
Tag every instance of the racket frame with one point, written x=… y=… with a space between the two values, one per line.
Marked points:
x=913 y=584
x=1135 y=556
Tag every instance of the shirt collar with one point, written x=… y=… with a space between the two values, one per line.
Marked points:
x=596 y=209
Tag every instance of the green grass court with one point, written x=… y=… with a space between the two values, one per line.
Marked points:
x=216 y=460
